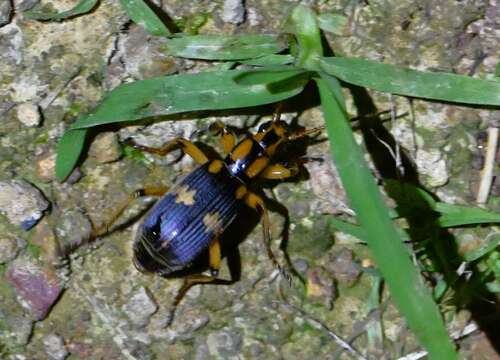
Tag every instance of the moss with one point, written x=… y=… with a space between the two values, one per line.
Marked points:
x=34 y=250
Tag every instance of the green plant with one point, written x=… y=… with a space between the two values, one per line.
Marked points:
x=276 y=77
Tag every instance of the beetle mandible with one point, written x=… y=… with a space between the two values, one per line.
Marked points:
x=190 y=217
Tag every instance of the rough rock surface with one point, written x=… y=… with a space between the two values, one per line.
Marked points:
x=22 y=203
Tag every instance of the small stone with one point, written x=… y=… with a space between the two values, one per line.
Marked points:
x=321 y=287
x=8 y=249
x=72 y=229
x=45 y=238
x=25 y=5
x=233 y=11
x=29 y=114
x=54 y=347
x=74 y=177
x=224 y=343
x=432 y=164
x=343 y=267
x=5 y=12
x=105 y=148
x=22 y=203
x=37 y=288
x=45 y=168
x=140 y=307
x=22 y=329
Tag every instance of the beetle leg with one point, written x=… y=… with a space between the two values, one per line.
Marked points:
x=214 y=254
x=255 y=202
x=279 y=172
x=185 y=145
x=228 y=138
x=149 y=191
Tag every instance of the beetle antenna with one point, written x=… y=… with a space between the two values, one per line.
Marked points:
x=305 y=133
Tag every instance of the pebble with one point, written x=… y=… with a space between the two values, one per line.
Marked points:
x=54 y=347
x=344 y=268
x=233 y=11
x=105 y=148
x=22 y=203
x=140 y=307
x=37 y=289
x=5 y=12
x=224 y=343
x=24 y=5
x=45 y=167
x=8 y=249
x=29 y=114
x=72 y=229
x=320 y=287
x=22 y=329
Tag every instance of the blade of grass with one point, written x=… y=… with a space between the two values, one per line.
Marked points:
x=142 y=15
x=69 y=149
x=84 y=6
x=404 y=81
x=171 y=95
x=302 y=23
x=490 y=245
x=457 y=215
x=406 y=286
x=270 y=60
x=186 y=92
x=417 y=199
x=225 y=47
x=334 y=23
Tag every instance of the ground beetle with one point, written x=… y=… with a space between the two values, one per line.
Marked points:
x=191 y=216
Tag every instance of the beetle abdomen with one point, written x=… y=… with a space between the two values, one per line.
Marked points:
x=187 y=219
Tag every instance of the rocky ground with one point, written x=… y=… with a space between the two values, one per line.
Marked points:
x=63 y=297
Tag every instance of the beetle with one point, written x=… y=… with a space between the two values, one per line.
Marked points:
x=190 y=217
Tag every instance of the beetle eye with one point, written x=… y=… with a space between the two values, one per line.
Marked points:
x=265 y=126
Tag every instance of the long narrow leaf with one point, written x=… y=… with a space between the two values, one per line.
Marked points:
x=457 y=215
x=404 y=81
x=84 y=6
x=186 y=92
x=69 y=150
x=170 y=95
x=406 y=286
x=225 y=47
x=142 y=15
x=270 y=60
x=302 y=23
x=334 y=23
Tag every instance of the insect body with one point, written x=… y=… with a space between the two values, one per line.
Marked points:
x=190 y=217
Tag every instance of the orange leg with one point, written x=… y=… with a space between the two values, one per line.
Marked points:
x=150 y=191
x=228 y=138
x=255 y=202
x=279 y=172
x=178 y=143
x=214 y=254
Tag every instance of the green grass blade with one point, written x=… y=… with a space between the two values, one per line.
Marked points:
x=406 y=286
x=168 y=95
x=84 y=6
x=302 y=23
x=225 y=47
x=490 y=245
x=68 y=152
x=270 y=60
x=458 y=215
x=416 y=200
x=404 y=81
x=334 y=23
x=142 y=15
